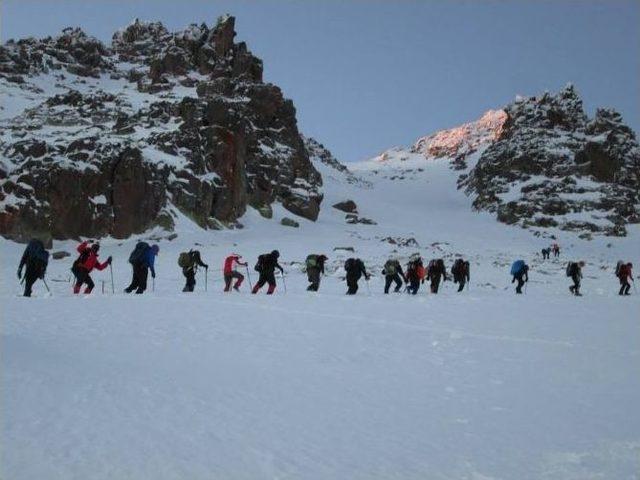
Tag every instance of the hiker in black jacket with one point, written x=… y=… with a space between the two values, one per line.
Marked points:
x=460 y=272
x=546 y=253
x=574 y=270
x=354 y=267
x=190 y=266
x=393 y=273
x=436 y=271
x=315 y=267
x=266 y=266
x=35 y=258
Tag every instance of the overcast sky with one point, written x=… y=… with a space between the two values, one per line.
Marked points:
x=366 y=76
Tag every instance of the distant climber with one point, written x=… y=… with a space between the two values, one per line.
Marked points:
x=189 y=262
x=415 y=274
x=35 y=258
x=84 y=265
x=266 y=266
x=355 y=269
x=435 y=272
x=546 y=253
x=392 y=272
x=520 y=272
x=230 y=273
x=556 y=249
x=624 y=274
x=142 y=259
x=574 y=271
x=314 y=265
x=460 y=272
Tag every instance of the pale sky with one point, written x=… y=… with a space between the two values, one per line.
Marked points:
x=367 y=76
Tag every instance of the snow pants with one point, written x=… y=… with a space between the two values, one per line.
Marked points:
x=30 y=276
x=266 y=277
x=82 y=277
x=352 y=284
x=228 y=278
x=625 y=286
x=313 y=275
x=139 y=280
x=389 y=279
x=190 y=275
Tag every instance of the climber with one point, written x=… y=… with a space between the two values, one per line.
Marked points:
x=84 y=265
x=266 y=266
x=230 y=273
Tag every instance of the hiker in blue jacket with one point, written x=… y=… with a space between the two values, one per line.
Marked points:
x=520 y=272
x=142 y=259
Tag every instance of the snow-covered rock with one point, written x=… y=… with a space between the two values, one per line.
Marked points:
x=154 y=121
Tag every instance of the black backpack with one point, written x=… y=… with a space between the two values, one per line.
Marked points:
x=259 y=264
x=458 y=267
x=137 y=256
x=81 y=258
x=350 y=265
x=37 y=255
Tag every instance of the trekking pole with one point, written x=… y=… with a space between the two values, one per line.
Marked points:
x=153 y=284
x=249 y=276
x=45 y=284
x=113 y=289
x=368 y=288
x=102 y=281
x=206 y=278
x=284 y=283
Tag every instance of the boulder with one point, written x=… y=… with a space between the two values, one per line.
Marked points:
x=347 y=206
x=289 y=222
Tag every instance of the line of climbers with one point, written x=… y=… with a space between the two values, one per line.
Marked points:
x=142 y=259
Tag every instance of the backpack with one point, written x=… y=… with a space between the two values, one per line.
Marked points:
x=311 y=261
x=570 y=269
x=350 y=264
x=37 y=254
x=517 y=267
x=81 y=258
x=458 y=267
x=391 y=267
x=185 y=260
x=137 y=256
x=432 y=265
x=619 y=266
x=259 y=264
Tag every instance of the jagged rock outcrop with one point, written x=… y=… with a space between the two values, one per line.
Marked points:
x=113 y=140
x=553 y=167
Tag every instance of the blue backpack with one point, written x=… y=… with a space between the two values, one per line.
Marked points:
x=517 y=267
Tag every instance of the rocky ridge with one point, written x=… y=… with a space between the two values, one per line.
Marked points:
x=113 y=140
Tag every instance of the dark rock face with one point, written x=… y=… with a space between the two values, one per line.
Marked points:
x=552 y=166
x=131 y=135
x=347 y=206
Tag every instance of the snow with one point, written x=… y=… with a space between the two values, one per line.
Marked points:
x=478 y=385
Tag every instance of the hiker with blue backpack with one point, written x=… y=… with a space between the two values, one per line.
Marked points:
x=520 y=272
x=35 y=258
x=142 y=260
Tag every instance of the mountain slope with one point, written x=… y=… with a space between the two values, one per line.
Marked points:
x=113 y=140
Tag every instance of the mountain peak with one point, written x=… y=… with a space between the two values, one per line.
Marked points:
x=463 y=139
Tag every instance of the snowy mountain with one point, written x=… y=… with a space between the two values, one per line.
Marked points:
x=543 y=164
x=113 y=140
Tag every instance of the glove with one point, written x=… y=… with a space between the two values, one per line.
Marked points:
x=153 y=274
x=19 y=273
x=109 y=260
x=206 y=267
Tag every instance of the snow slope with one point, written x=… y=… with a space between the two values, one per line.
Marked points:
x=479 y=385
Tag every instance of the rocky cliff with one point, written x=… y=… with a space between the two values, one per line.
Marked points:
x=115 y=139
x=551 y=166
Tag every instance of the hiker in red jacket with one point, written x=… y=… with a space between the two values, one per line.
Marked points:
x=230 y=272
x=624 y=274
x=85 y=263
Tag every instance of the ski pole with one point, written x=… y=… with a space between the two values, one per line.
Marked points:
x=113 y=289
x=102 y=281
x=153 y=284
x=367 y=282
x=284 y=283
x=249 y=277
x=45 y=284
x=206 y=278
